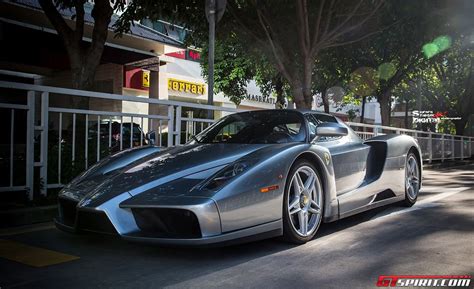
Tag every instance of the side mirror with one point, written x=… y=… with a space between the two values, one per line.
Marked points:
x=151 y=137
x=330 y=129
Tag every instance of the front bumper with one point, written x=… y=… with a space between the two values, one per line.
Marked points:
x=185 y=220
x=119 y=217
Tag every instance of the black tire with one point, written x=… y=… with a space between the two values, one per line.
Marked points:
x=289 y=232
x=410 y=201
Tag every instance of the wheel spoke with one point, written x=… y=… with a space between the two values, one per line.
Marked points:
x=410 y=190
x=412 y=166
x=309 y=184
x=294 y=207
x=303 y=220
x=296 y=187
x=295 y=203
x=295 y=210
x=299 y=182
x=314 y=208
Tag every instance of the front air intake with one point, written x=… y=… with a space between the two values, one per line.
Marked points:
x=167 y=223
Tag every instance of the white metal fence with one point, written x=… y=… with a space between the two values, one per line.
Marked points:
x=48 y=145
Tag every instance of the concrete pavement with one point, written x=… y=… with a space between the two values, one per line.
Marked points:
x=436 y=236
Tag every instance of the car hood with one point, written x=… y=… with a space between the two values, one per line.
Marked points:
x=155 y=169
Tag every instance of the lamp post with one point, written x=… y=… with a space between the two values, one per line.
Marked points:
x=214 y=11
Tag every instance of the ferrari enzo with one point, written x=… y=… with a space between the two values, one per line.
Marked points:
x=250 y=175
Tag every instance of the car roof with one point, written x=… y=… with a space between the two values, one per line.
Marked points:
x=302 y=111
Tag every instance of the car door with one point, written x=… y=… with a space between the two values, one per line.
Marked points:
x=349 y=155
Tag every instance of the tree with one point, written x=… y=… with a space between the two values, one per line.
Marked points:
x=236 y=65
x=454 y=72
x=396 y=53
x=295 y=32
x=83 y=57
x=289 y=34
x=332 y=73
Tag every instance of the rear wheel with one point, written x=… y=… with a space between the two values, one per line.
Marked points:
x=412 y=180
x=303 y=203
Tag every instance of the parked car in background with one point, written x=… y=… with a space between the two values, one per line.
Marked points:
x=110 y=133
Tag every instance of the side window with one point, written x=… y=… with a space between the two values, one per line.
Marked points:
x=312 y=126
x=228 y=131
x=292 y=129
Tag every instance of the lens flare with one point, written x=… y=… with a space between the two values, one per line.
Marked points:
x=364 y=81
x=387 y=70
x=438 y=45
x=430 y=50
x=336 y=93
x=443 y=43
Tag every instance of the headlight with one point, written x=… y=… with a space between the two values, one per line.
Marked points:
x=226 y=174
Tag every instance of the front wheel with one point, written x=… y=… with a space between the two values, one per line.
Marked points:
x=303 y=203
x=412 y=180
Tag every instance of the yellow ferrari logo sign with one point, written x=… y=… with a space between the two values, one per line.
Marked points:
x=145 y=78
x=186 y=86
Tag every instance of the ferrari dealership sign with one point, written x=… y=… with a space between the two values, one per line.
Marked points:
x=186 y=86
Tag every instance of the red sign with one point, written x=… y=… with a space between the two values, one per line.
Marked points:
x=188 y=54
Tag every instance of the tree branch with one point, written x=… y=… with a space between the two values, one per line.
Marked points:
x=248 y=31
x=301 y=27
x=349 y=17
x=317 y=28
x=352 y=41
x=332 y=36
x=57 y=21
x=102 y=13
x=79 y=32
x=280 y=64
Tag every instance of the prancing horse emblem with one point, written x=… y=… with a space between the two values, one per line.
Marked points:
x=327 y=158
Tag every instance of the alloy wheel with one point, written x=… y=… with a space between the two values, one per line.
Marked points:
x=305 y=201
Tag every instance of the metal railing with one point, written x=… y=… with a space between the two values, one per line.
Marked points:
x=434 y=146
x=61 y=141
x=59 y=136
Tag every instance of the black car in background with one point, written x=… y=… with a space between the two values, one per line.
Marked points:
x=110 y=133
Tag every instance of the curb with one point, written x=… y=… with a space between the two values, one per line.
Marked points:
x=27 y=216
x=447 y=164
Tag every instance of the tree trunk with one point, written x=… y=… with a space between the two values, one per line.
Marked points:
x=384 y=101
x=83 y=58
x=280 y=101
x=82 y=74
x=299 y=99
x=324 y=96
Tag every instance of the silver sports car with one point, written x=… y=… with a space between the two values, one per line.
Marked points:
x=250 y=175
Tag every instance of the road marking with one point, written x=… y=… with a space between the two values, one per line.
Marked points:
x=425 y=203
x=32 y=256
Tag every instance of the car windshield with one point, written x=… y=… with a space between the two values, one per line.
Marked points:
x=260 y=127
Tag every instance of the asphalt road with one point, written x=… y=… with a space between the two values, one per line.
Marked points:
x=436 y=236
